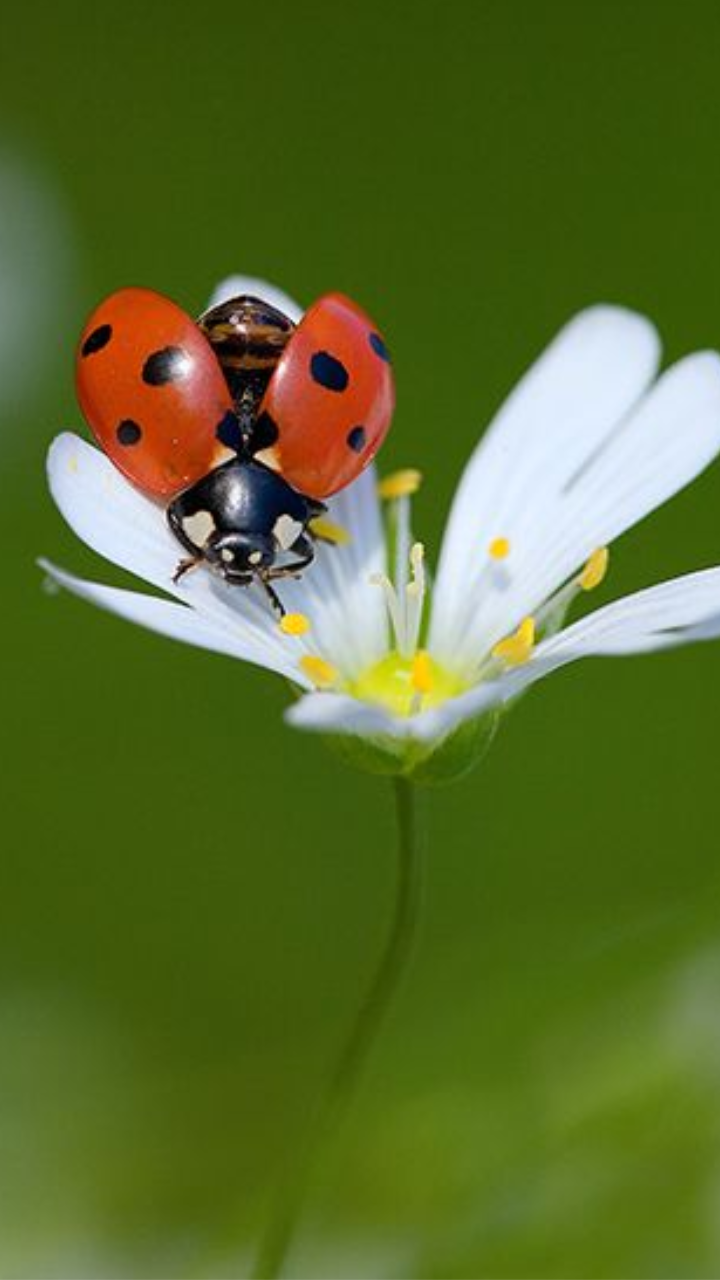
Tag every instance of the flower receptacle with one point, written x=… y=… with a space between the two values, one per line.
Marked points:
x=426 y=763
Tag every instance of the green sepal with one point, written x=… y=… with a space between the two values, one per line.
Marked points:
x=426 y=763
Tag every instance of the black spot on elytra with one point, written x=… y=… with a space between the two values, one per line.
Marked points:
x=128 y=432
x=228 y=431
x=96 y=340
x=166 y=365
x=328 y=371
x=357 y=439
x=264 y=433
x=379 y=347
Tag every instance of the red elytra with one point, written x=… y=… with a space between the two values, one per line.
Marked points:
x=152 y=391
x=331 y=398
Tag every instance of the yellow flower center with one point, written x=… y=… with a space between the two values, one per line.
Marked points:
x=405 y=686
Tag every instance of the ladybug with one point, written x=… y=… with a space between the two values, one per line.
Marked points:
x=242 y=421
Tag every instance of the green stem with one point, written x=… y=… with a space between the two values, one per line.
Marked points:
x=343 y=1081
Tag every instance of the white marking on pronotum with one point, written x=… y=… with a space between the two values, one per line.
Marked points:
x=226 y=555
x=287 y=531
x=269 y=457
x=255 y=557
x=198 y=527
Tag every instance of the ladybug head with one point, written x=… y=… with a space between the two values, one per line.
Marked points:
x=239 y=555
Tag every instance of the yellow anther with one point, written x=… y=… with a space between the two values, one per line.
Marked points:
x=294 y=624
x=595 y=569
x=400 y=484
x=499 y=549
x=421 y=674
x=322 y=673
x=328 y=531
x=517 y=648
x=73 y=464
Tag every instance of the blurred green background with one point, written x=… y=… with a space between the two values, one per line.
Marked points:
x=181 y=952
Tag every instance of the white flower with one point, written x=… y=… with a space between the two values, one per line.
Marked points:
x=37 y=244
x=588 y=444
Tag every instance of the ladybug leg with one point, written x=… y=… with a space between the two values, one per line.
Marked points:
x=276 y=603
x=306 y=553
x=185 y=566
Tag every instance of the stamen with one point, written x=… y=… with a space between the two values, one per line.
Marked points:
x=414 y=598
x=322 y=673
x=400 y=516
x=499 y=549
x=595 y=569
x=421 y=675
x=517 y=648
x=329 y=531
x=294 y=624
x=393 y=604
x=400 y=484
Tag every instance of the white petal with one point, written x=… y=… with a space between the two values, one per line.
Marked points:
x=662 y=616
x=681 y=611
x=108 y=513
x=129 y=529
x=338 y=713
x=234 y=286
x=347 y=613
x=676 y=612
x=553 y=422
x=667 y=441
x=660 y=447
x=173 y=620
